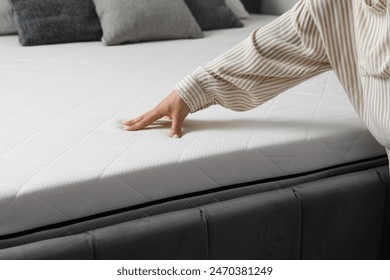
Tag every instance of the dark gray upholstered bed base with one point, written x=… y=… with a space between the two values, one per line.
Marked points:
x=337 y=213
x=342 y=216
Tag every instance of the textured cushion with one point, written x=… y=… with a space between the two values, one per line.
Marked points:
x=237 y=8
x=56 y=21
x=125 y=21
x=213 y=14
x=7 y=25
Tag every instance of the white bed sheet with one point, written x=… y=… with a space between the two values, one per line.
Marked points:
x=64 y=156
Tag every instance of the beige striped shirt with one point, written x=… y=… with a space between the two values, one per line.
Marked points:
x=351 y=37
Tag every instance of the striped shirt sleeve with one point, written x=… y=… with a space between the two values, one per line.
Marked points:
x=272 y=59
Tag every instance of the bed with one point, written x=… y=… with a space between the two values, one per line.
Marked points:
x=297 y=178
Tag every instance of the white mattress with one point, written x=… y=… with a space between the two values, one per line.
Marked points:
x=64 y=156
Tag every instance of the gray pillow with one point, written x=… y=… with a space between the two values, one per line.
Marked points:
x=130 y=21
x=7 y=25
x=56 y=21
x=238 y=8
x=213 y=14
x=253 y=6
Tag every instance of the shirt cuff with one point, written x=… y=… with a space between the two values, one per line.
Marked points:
x=193 y=92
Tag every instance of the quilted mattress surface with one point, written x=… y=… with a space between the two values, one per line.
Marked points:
x=64 y=156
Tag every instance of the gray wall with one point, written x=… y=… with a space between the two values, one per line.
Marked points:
x=276 y=7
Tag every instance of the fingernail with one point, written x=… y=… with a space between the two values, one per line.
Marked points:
x=175 y=136
x=125 y=128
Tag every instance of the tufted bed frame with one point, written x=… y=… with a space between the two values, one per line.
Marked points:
x=339 y=212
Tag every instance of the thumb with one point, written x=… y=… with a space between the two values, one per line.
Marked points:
x=177 y=124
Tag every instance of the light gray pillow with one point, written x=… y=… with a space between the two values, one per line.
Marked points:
x=213 y=14
x=130 y=21
x=7 y=25
x=238 y=8
x=276 y=7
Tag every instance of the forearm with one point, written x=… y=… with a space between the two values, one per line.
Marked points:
x=271 y=60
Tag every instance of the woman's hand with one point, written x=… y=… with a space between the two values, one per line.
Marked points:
x=172 y=106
